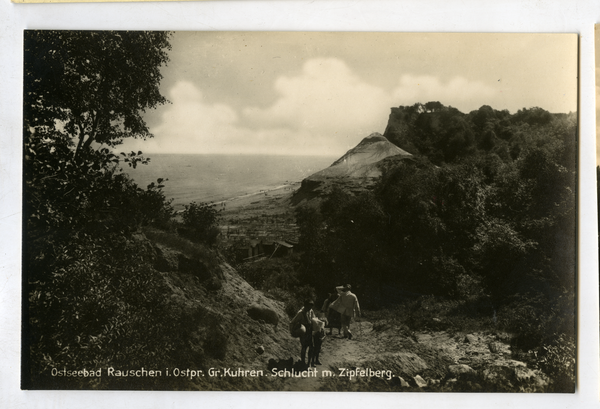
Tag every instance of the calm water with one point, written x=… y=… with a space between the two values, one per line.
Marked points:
x=211 y=178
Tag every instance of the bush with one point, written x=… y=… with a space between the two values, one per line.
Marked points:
x=536 y=320
x=200 y=223
x=96 y=302
x=272 y=273
x=90 y=193
x=157 y=208
x=558 y=360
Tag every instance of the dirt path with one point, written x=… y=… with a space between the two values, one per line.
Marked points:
x=419 y=360
x=338 y=356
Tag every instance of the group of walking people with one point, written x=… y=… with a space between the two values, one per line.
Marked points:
x=337 y=312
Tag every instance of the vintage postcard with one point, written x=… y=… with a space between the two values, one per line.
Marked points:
x=299 y=211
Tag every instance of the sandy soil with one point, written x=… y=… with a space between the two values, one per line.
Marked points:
x=266 y=201
x=386 y=354
x=338 y=352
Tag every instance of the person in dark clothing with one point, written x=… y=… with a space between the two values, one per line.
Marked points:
x=318 y=334
x=334 y=319
x=304 y=318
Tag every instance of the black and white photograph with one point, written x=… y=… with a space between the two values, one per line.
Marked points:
x=299 y=211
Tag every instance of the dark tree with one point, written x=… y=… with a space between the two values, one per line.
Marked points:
x=82 y=87
x=90 y=293
x=482 y=116
x=533 y=116
x=92 y=86
x=434 y=106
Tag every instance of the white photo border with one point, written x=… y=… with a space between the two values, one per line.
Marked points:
x=549 y=16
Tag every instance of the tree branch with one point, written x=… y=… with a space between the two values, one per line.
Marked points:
x=93 y=130
x=81 y=137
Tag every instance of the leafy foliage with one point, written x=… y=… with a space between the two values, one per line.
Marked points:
x=96 y=302
x=559 y=361
x=93 y=86
x=446 y=135
x=90 y=194
x=200 y=223
x=91 y=296
x=83 y=88
x=493 y=221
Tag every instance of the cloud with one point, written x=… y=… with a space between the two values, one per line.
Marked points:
x=190 y=124
x=325 y=109
x=326 y=98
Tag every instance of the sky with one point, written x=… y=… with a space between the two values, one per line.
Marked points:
x=318 y=93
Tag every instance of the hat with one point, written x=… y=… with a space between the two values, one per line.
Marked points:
x=308 y=303
x=347 y=287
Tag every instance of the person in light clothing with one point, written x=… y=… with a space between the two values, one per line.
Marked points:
x=347 y=305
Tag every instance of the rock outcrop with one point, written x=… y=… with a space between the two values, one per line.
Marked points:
x=264 y=314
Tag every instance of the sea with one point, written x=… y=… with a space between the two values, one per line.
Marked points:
x=214 y=178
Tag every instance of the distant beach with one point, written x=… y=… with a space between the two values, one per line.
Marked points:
x=227 y=180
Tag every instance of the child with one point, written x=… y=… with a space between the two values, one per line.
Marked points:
x=318 y=335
